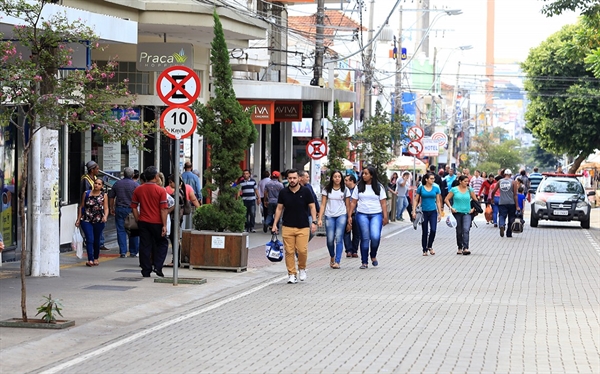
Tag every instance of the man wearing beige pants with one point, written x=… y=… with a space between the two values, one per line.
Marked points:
x=294 y=205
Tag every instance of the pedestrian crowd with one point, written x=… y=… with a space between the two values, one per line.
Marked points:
x=352 y=210
x=143 y=198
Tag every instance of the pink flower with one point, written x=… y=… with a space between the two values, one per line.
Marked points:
x=69 y=63
x=89 y=77
x=103 y=75
x=92 y=113
x=74 y=115
x=90 y=96
x=37 y=78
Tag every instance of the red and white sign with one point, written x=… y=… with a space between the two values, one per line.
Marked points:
x=414 y=147
x=316 y=149
x=178 y=121
x=178 y=85
x=442 y=139
x=415 y=133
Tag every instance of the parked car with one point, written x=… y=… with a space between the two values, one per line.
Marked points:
x=561 y=197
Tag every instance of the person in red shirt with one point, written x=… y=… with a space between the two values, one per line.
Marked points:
x=151 y=200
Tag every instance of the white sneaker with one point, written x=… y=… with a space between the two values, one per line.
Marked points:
x=292 y=279
x=302 y=274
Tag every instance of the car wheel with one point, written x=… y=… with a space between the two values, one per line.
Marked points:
x=585 y=224
x=533 y=222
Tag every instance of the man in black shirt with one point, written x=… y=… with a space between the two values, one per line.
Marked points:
x=295 y=205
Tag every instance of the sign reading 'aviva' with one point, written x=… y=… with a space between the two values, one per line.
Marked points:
x=159 y=56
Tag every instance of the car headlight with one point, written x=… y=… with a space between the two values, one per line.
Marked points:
x=540 y=204
x=582 y=204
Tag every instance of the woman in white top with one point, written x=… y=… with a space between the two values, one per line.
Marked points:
x=334 y=207
x=371 y=213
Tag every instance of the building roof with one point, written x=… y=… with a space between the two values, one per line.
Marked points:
x=335 y=21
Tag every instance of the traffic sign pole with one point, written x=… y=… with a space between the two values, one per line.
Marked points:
x=178 y=87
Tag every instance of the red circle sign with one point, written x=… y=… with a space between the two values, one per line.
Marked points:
x=414 y=148
x=178 y=85
x=415 y=133
x=178 y=121
x=316 y=149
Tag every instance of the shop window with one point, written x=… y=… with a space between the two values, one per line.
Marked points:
x=139 y=81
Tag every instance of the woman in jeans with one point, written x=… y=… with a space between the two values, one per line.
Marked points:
x=334 y=207
x=369 y=199
x=92 y=215
x=401 y=190
x=461 y=196
x=429 y=196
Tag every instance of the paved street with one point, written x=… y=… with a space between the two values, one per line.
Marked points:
x=530 y=303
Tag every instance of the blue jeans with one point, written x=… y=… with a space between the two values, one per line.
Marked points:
x=429 y=227
x=250 y=214
x=507 y=212
x=401 y=205
x=92 y=232
x=352 y=237
x=134 y=241
x=271 y=208
x=463 y=228
x=334 y=229
x=495 y=210
x=370 y=233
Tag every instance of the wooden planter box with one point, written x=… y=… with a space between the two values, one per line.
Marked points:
x=215 y=250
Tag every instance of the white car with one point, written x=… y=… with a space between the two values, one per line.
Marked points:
x=561 y=197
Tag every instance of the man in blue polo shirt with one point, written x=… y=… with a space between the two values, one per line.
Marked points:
x=295 y=206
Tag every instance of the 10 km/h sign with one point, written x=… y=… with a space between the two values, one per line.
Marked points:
x=178 y=122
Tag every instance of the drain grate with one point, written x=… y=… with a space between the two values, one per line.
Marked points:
x=109 y=288
x=128 y=271
x=128 y=279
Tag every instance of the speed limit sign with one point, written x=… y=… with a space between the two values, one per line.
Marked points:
x=178 y=121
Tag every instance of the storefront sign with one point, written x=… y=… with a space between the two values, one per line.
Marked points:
x=159 y=56
x=286 y=111
x=264 y=111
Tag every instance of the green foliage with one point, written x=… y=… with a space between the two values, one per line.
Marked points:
x=493 y=152
x=338 y=139
x=564 y=95
x=375 y=140
x=228 y=131
x=49 y=308
x=536 y=156
x=209 y=217
x=556 y=7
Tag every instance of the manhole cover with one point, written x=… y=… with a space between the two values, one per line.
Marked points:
x=128 y=279
x=109 y=288
x=128 y=271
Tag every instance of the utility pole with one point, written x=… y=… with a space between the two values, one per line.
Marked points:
x=398 y=84
x=368 y=64
x=451 y=132
x=318 y=70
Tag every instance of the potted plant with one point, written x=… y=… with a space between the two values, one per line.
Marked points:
x=49 y=309
x=218 y=240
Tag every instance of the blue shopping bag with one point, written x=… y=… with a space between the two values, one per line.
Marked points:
x=274 y=249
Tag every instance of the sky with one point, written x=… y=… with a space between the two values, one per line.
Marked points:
x=519 y=27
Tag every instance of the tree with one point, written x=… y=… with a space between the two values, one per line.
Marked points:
x=493 y=152
x=34 y=90
x=338 y=139
x=375 y=140
x=536 y=156
x=556 y=7
x=228 y=132
x=565 y=96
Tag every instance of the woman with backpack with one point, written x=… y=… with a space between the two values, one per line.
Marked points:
x=334 y=207
x=429 y=196
x=92 y=215
x=459 y=201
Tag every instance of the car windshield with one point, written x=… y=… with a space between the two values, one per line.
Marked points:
x=562 y=186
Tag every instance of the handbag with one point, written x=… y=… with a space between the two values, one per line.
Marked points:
x=488 y=213
x=274 y=249
x=187 y=208
x=130 y=222
x=517 y=225
x=77 y=243
x=475 y=205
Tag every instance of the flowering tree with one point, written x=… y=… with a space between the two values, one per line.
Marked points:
x=35 y=89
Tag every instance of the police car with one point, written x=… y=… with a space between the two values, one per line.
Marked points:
x=561 y=197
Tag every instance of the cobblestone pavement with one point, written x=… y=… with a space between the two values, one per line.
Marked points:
x=530 y=303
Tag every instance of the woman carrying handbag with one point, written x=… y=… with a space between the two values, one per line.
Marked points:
x=92 y=215
x=462 y=209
